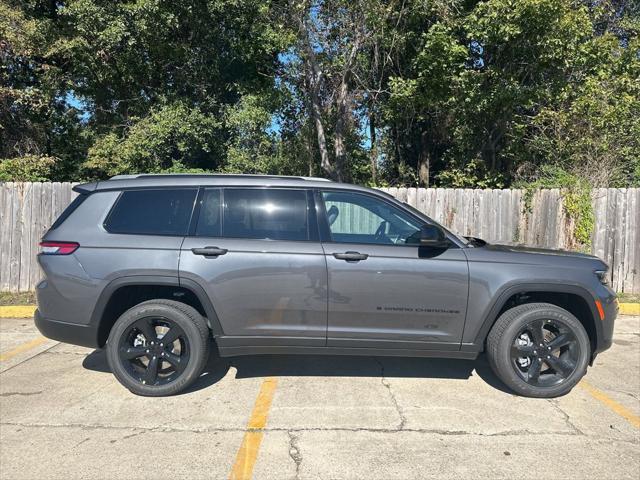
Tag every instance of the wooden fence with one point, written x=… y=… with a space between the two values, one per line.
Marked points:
x=498 y=216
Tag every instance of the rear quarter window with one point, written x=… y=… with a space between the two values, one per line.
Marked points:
x=152 y=212
x=69 y=210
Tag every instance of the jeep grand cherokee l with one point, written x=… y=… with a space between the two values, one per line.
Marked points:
x=158 y=268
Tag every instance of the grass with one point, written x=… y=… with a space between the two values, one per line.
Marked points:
x=629 y=298
x=21 y=298
x=29 y=298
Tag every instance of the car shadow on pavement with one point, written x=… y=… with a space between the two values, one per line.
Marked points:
x=363 y=366
x=327 y=366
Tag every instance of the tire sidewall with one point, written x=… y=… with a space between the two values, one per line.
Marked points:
x=197 y=352
x=506 y=371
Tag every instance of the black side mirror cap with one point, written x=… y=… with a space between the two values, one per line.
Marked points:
x=433 y=236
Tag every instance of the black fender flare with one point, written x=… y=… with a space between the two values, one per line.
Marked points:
x=205 y=301
x=501 y=298
x=160 y=280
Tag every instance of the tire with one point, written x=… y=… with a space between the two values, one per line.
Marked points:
x=553 y=369
x=157 y=368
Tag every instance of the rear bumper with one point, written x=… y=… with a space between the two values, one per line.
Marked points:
x=83 y=335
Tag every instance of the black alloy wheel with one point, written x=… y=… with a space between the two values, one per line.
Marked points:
x=545 y=353
x=154 y=350
x=539 y=350
x=158 y=347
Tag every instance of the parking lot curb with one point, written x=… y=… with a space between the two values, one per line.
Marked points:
x=630 y=309
x=17 y=311
x=26 y=311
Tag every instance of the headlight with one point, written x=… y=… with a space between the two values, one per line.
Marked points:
x=602 y=276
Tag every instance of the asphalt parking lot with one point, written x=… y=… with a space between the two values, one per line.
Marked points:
x=63 y=415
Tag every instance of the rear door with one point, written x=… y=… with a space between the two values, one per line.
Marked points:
x=385 y=290
x=256 y=252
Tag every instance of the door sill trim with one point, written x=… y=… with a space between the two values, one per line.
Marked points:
x=235 y=351
x=232 y=341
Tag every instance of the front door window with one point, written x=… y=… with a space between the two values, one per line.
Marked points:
x=358 y=218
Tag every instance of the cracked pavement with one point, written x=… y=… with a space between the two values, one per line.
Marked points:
x=63 y=415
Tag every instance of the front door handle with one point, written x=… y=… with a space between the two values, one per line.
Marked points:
x=351 y=256
x=209 y=251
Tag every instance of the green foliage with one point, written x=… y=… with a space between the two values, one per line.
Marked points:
x=594 y=130
x=172 y=138
x=471 y=175
x=445 y=92
x=576 y=200
x=518 y=84
x=29 y=168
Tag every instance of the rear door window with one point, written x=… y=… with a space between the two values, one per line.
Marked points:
x=275 y=214
x=210 y=218
x=152 y=212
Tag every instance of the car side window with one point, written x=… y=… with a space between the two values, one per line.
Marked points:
x=152 y=212
x=358 y=218
x=265 y=213
x=210 y=217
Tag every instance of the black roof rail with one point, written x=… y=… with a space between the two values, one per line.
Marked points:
x=215 y=175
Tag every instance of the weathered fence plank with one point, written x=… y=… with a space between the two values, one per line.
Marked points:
x=14 y=246
x=498 y=216
x=5 y=231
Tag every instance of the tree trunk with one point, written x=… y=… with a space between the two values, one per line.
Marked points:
x=491 y=149
x=338 y=140
x=424 y=161
x=325 y=163
x=342 y=109
x=313 y=77
x=308 y=143
x=373 y=152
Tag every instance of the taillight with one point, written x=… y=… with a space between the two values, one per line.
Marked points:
x=58 y=248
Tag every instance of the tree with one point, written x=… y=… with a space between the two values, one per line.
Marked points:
x=409 y=92
x=172 y=137
x=38 y=128
x=330 y=37
x=593 y=131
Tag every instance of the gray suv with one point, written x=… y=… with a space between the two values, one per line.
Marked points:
x=158 y=267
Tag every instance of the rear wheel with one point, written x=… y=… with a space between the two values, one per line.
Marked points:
x=158 y=347
x=538 y=350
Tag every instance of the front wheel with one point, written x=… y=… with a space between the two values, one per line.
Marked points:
x=159 y=347
x=538 y=350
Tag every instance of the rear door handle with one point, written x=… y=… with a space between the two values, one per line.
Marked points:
x=209 y=251
x=351 y=256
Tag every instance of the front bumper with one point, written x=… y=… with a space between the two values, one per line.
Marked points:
x=83 y=335
x=604 y=326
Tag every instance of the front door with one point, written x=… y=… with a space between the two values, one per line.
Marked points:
x=256 y=253
x=386 y=291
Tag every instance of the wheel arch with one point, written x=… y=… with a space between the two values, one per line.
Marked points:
x=573 y=298
x=125 y=292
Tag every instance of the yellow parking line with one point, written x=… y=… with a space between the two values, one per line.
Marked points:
x=17 y=311
x=611 y=404
x=248 y=451
x=22 y=348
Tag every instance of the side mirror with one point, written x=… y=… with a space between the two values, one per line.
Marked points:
x=433 y=236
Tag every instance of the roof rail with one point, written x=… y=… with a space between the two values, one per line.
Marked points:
x=219 y=175
x=316 y=179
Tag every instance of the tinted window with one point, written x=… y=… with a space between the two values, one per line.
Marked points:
x=155 y=212
x=209 y=220
x=358 y=218
x=69 y=210
x=265 y=213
